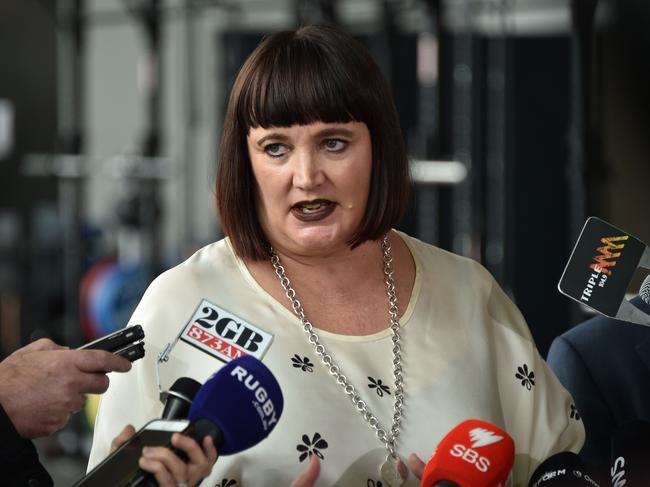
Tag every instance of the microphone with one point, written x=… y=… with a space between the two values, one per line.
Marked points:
x=252 y=409
x=630 y=453
x=600 y=269
x=564 y=469
x=473 y=454
x=179 y=398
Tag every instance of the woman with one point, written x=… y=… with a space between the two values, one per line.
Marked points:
x=312 y=176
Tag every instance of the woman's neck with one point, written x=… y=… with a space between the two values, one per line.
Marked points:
x=336 y=264
x=345 y=292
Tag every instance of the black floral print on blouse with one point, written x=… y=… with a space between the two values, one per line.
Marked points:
x=380 y=388
x=527 y=377
x=302 y=363
x=311 y=447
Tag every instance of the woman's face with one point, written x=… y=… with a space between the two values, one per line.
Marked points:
x=312 y=184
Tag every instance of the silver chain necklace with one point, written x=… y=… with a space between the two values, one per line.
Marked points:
x=392 y=471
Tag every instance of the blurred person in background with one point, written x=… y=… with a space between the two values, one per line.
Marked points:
x=605 y=363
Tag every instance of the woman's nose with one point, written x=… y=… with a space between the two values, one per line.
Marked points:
x=307 y=172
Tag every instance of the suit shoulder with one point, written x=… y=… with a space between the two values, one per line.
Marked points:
x=600 y=333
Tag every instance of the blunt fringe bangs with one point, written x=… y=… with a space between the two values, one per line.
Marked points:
x=300 y=79
x=312 y=74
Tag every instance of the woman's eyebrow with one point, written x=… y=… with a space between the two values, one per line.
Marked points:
x=275 y=136
x=327 y=132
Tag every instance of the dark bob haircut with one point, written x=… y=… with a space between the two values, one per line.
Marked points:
x=315 y=73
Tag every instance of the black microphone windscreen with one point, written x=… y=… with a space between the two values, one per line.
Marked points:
x=179 y=398
x=564 y=469
x=186 y=386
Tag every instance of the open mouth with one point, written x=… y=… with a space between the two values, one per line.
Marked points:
x=312 y=210
x=312 y=206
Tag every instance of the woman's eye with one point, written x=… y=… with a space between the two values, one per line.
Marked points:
x=335 y=145
x=275 y=150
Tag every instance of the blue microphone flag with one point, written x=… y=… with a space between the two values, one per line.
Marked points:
x=243 y=399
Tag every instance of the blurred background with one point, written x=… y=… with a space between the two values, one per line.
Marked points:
x=522 y=118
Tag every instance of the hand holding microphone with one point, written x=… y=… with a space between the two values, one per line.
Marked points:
x=170 y=470
x=177 y=404
x=165 y=468
x=161 y=466
x=43 y=384
x=254 y=405
x=178 y=400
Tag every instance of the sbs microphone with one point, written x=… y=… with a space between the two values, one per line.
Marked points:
x=474 y=454
x=179 y=398
x=564 y=469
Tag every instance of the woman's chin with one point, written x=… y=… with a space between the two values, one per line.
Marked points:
x=317 y=241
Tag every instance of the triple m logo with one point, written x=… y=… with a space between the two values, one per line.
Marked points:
x=608 y=254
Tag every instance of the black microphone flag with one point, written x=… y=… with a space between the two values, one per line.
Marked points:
x=601 y=267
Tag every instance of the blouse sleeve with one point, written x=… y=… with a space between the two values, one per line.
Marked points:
x=539 y=413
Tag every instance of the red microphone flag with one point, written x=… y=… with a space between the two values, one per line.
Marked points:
x=474 y=454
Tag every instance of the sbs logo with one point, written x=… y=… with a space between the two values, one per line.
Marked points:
x=479 y=437
x=483 y=437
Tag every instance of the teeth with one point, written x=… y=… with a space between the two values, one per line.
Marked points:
x=311 y=207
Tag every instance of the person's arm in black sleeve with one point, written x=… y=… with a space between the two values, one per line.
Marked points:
x=19 y=464
x=575 y=376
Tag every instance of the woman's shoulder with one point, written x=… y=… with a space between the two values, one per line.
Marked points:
x=443 y=264
x=206 y=263
x=463 y=280
x=210 y=273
